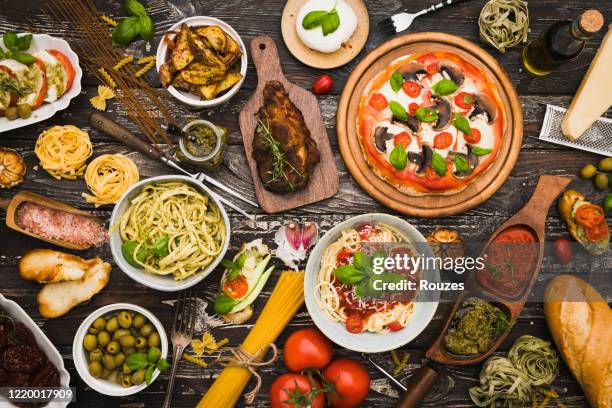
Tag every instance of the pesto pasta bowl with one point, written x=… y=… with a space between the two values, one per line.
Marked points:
x=169 y=232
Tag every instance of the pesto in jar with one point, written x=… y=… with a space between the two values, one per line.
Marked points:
x=200 y=140
x=475 y=327
x=203 y=144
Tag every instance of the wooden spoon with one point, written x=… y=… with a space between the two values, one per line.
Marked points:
x=12 y=204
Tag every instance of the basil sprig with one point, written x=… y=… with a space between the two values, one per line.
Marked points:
x=396 y=81
x=138 y=24
x=158 y=249
x=328 y=20
x=234 y=268
x=444 y=87
x=426 y=115
x=398 y=157
x=398 y=111
x=150 y=361
x=15 y=47
x=480 y=151
x=438 y=163
x=460 y=122
x=461 y=164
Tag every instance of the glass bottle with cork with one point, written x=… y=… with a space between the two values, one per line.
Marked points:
x=562 y=42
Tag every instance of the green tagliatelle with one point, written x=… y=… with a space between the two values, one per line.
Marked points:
x=536 y=358
x=504 y=23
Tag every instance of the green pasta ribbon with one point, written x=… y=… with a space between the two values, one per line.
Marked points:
x=504 y=23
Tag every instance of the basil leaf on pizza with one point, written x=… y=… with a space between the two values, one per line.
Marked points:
x=399 y=157
x=461 y=164
x=438 y=163
x=398 y=111
x=460 y=122
x=426 y=115
x=480 y=151
x=397 y=80
x=444 y=87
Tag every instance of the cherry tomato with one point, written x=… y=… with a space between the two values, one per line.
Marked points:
x=292 y=390
x=236 y=288
x=427 y=98
x=563 y=251
x=464 y=100
x=351 y=382
x=411 y=88
x=432 y=68
x=597 y=233
x=366 y=231
x=590 y=215
x=378 y=101
x=412 y=108
x=322 y=85
x=65 y=61
x=443 y=140
x=344 y=257
x=307 y=348
x=354 y=323
x=473 y=137
x=403 y=138
x=395 y=326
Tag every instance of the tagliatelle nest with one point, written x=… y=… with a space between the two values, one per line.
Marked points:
x=504 y=23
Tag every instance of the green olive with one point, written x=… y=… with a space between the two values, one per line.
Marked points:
x=127 y=341
x=588 y=171
x=153 y=355
x=112 y=324
x=95 y=355
x=113 y=376
x=108 y=361
x=141 y=342
x=138 y=321
x=95 y=369
x=11 y=113
x=92 y=330
x=124 y=319
x=138 y=377
x=105 y=373
x=119 y=333
x=126 y=369
x=126 y=381
x=154 y=340
x=99 y=323
x=113 y=347
x=601 y=181
x=119 y=359
x=146 y=330
x=24 y=110
x=605 y=164
x=104 y=338
x=129 y=350
x=90 y=342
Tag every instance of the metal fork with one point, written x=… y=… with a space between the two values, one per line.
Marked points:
x=182 y=333
x=402 y=21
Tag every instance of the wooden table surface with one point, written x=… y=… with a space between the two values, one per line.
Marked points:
x=251 y=18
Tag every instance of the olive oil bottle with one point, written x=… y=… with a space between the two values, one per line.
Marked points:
x=562 y=42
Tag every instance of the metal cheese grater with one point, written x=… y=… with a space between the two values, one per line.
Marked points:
x=597 y=139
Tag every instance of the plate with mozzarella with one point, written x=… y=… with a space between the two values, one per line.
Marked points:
x=35 y=92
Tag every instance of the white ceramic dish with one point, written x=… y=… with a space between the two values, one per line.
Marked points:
x=368 y=342
x=15 y=311
x=163 y=283
x=189 y=98
x=79 y=354
x=46 y=110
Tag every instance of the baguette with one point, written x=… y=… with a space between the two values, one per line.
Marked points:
x=49 y=266
x=580 y=322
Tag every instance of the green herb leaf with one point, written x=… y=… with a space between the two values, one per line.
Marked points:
x=426 y=115
x=160 y=247
x=362 y=261
x=223 y=304
x=10 y=40
x=23 y=42
x=233 y=274
x=444 y=87
x=241 y=260
x=398 y=111
x=226 y=263
x=397 y=80
x=128 y=248
x=501 y=324
x=24 y=58
x=348 y=274
x=146 y=29
x=149 y=374
x=136 y=361
x=126 y=31
x=313 y=19
x=134 y=8
x=461 y=164
x=479 y=151
x=438 y=163
x=330 y=22
x=460 y=122
x=399 y=157
x=162 y=364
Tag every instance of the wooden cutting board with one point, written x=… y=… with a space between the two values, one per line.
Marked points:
x=324 y=181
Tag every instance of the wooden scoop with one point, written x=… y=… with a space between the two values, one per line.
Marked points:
x=532 y=217
x=12 y=204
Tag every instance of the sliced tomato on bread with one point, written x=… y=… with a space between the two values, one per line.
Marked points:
x=68 y=68
x=7 y=97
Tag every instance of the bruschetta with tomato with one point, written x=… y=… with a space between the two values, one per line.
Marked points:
x=586 y=222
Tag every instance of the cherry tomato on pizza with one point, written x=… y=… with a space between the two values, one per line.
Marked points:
x=464 y=100
x=443 y=140
x=378 y=101
x=403 y=138
x=473 y=137
x=411 y=88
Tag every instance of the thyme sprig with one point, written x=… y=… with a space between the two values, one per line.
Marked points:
x=281 y=165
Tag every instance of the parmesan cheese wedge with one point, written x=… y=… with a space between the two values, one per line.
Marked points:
x=594 y=95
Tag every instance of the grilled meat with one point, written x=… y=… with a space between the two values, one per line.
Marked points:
x=285 y=152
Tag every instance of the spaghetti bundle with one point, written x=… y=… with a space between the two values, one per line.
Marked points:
x=108 y=176
x=63 y=151
x=285 y=300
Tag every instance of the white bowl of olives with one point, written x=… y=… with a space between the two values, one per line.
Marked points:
x=120 y=349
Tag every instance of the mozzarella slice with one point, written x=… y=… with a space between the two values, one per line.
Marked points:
x=56 y=76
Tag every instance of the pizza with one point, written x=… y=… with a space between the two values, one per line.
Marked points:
x=430 y=123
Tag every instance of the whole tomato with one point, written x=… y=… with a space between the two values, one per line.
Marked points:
x=295 y=391
x=322 y=85
x=350 y=380
x=307 y=348
x=563 y=251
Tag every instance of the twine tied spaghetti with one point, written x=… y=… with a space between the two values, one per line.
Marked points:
x=242 y=358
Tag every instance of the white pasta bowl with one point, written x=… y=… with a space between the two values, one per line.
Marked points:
x=161 y=282
x=187 y=97
x=80 y=358
x=367 y=342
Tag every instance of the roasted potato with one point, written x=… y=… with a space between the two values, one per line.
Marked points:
x=166 y=73
x=212 y=90
x=182 y=54
x=200 y=74
x=215 y=38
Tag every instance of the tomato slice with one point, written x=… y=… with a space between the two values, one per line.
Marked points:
x=403 y=138
x=395 y=326
x=597 y=233
x=236 y=288
x=590 y=215
x=378 y=101
x=464 y=100
x=411 y=88
x=344 y=257
x=354 y=323
x=443 y=140
x=432 y=68
x=65 y=61
x=473 y=137
x=366 y=231
x=412 y=108
x=42 y=90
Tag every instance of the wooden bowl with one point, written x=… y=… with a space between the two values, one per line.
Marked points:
x=431 y=205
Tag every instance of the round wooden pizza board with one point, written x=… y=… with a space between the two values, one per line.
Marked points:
x=317 y=59
x=431 y=205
